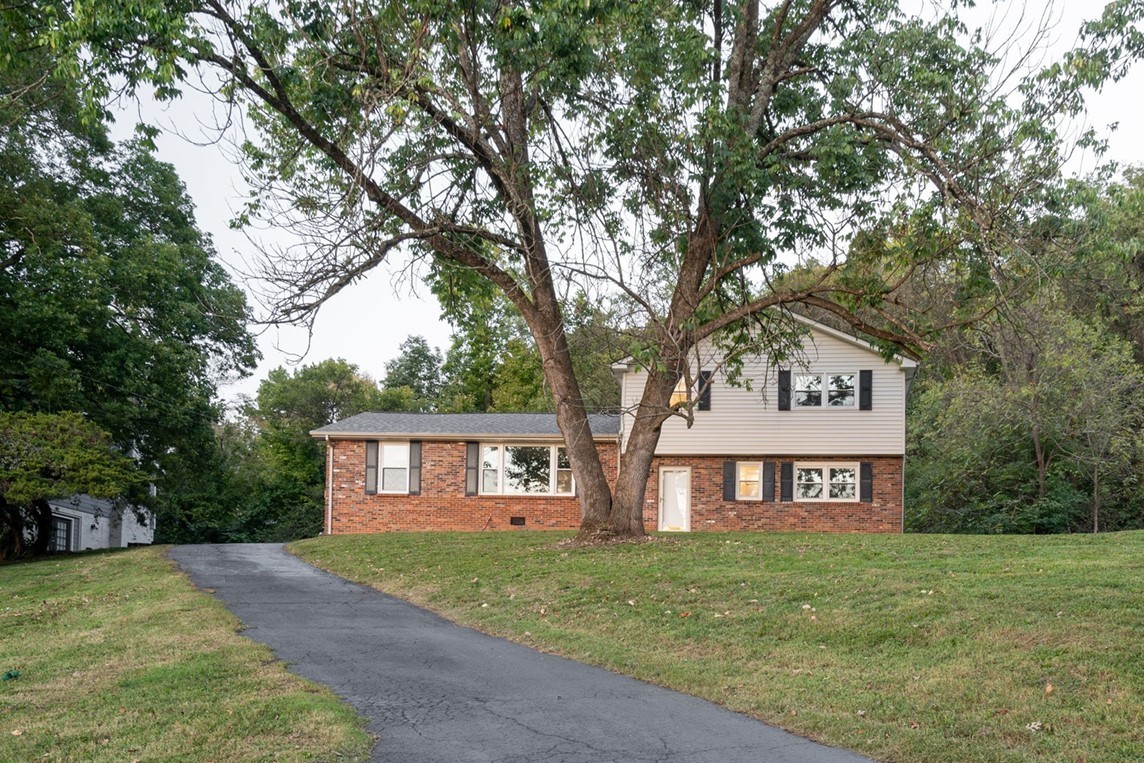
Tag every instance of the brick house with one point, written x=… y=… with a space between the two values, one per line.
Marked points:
x=813 y=444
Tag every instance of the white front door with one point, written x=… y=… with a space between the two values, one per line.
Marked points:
x=675 y=499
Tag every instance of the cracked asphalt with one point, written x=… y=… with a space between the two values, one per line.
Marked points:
x=435 y=691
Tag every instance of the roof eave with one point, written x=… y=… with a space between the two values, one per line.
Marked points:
x=450 y=436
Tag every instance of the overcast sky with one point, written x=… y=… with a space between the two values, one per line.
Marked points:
x=367 y=322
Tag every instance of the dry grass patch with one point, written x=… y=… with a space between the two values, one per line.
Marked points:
x=120 y=659
x=905 y=648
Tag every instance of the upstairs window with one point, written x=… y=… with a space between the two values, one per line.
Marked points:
x=825 y=390
x=700 y=394
x=679 y=394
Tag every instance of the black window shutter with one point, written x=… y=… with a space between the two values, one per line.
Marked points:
x=787 y=490
x=865 y=390
x=472 y=467
x=371 y=466
x=414 y=467
x=705 y=392
x=866 y=483
x=784 y=390
x=769 y=481
x=728 y=480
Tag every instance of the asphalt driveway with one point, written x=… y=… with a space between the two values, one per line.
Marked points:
x=434 y=691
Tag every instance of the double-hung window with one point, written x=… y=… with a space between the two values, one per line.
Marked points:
x=826 y=482
x=829 y=390
x=748 y=482
x=525 y=470
x=386 y=467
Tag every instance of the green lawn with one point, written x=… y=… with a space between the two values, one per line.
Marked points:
x=120 y=659
x=905 y=648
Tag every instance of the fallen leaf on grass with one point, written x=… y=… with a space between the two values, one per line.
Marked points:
x=685 y=614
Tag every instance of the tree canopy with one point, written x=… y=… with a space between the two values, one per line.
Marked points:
x=683 y=155
x=113 y=308
x=48 y=455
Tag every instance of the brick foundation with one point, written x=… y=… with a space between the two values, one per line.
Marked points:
x=443 y=504
x=710 y=512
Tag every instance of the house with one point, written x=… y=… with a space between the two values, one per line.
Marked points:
x=815 y=444
x=83 y=523
x=453 y=471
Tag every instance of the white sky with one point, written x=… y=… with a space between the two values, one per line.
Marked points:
x=366 y=322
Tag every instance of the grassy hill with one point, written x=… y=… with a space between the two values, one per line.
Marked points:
x=905 y=648
x=120 y=659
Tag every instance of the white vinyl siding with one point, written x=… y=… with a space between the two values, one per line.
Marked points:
x=749 y=421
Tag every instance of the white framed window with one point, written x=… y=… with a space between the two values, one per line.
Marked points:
x=508 y=469
x=826 y=482
x=679 y=395
x=826 y=390
x=386 y=467
x=748 y=481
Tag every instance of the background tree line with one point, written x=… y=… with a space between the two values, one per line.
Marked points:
x=1032 y=419
x=678 y=156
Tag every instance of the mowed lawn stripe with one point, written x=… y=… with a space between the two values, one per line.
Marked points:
x=121 y=659
x=905 y=648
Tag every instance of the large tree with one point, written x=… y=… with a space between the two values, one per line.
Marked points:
x=45 y=456
x=111 y=301
x=681 y=153
x=418 y=369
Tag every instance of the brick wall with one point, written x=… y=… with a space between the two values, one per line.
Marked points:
x=442 y=504
x=710 y=512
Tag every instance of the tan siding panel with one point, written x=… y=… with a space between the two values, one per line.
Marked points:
x=742 y=421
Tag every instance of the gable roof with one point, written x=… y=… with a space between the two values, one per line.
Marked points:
x=906 y=363
x=459 y=426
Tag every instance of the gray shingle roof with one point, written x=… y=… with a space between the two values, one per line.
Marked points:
x=446 y=425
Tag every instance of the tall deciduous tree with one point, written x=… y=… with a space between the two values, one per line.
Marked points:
x=417 y=368
x=111 y=302
x=675 y=151
x=290 y=464
x=47 y=455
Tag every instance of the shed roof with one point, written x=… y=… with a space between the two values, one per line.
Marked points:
x=461 y=425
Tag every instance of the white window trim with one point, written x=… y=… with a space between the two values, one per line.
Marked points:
x=824 y=376
x=552 y=469
x=739 y=479
x=381 y=467
x=826 y=466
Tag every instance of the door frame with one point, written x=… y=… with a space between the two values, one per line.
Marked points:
x=687 y=516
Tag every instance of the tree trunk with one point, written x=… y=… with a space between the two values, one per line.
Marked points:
x=11 y=531
x=1039 y=454
x=635 y=465
x=42 y=516
x=1095 y=501
x=571 y=416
